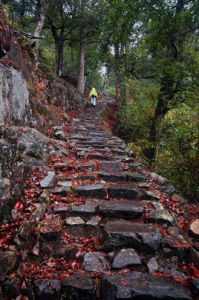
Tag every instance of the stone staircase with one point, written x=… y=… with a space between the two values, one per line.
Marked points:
x=100 y=230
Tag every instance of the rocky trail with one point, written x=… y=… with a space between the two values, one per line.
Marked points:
x=93 y=223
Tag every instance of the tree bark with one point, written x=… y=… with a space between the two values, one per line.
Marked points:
x=40 y=18
x=81 y=79
x=117 y=74
x=59 y=49
x=41 y=5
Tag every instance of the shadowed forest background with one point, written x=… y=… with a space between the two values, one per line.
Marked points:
x=144 y=53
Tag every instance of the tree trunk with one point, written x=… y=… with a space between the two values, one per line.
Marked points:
x=40 y=18
x=41 y=5
x=81 y=80
x=59 y=49
x=117 y=75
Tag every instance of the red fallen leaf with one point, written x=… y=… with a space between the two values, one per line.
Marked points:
x=4 y=240
x=65 y=275
x=195 y=271
x=20 y=129
x=18 y=205
x=158 y=274
x=123 y=283
x=179 y=245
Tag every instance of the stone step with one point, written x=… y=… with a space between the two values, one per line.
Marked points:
x=112 y=177
x=122 y=209
x=142 y=286
x=127 y=191
x=143 y=237
x=83 y=228
x=95 y=190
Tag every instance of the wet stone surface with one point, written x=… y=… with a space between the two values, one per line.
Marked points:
x=121 y=208
x=95 y=262
x=125 y=258
x=142 y=286
x=137 y=235
x=79 y=286
x=127 y=191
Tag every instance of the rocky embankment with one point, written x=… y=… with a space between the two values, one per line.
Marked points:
x=92 y=223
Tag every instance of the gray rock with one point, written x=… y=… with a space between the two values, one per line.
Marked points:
x=136 y=177
x=95 y=191
x=85 y=210
x=150 y=195
x=170 y=189
x=74 y=221
x=79 y=286
x=161 y=216
x=127 y=191
x=111 y=166
x=134 y=166
x=125 y=258
x=49 y=181
x=48 y=288
x=112 y=177
x=140 y=236
x=94 y=221
x=63 y=190
x=125 y=209
x=142 y=286
x=158 y=178
x=95 y=262
x=152 y=265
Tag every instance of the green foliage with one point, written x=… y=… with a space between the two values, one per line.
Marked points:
x=136 y=115
x=177 y=157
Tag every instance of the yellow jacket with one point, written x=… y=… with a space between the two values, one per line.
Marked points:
x=93 y=92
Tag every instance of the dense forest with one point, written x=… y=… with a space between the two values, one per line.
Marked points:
x=144 y=53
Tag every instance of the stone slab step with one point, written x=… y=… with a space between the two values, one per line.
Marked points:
x=142 y=286
x=95 y=190
x=112 y=177
x=127 y=191
x=144 y=237
x=122 y=209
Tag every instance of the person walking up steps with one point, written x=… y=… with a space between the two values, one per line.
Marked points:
x=93 y=95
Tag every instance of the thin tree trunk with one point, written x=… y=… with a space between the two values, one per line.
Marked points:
x=117 y=75
x=81 y=80
x=40 y=18
x=39 y=24
x=59 y=49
